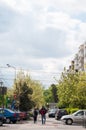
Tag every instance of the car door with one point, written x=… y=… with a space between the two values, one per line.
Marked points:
x=84 y=119
x=78 y=118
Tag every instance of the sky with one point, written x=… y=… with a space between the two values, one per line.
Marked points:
x=40 y=37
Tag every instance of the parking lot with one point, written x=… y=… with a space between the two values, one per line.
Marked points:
x=51 y=124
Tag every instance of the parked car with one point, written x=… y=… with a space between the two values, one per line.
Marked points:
x=10 y=115
x=22 y=115
x=2 y=118
x=51 y=112
x=77 y=117
x=59 y=113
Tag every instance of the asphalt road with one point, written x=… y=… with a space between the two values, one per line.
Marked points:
x=51 y=124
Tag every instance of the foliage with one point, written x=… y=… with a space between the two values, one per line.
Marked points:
x=50 y=94
x=72 y=90
x=47 y=96
x=71 y=110
x=37 y=95
x=29 y=93
x=54 y=93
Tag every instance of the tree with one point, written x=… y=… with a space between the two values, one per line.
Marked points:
x=66 y=88
x=54 y=93
x=47 y=96
x=37 y=95
x=70 y=90
x=29 y=92
x=50 y=95
x=23 y=92
x=25 y=102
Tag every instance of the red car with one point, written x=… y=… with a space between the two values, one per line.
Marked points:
x=22 y=115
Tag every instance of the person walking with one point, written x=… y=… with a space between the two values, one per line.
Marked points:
x=35 y=114
x=43 y=112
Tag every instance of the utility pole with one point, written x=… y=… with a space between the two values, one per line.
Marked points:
x=2 y=93
x=15 y=83
x=1 y=83
x=13 y=68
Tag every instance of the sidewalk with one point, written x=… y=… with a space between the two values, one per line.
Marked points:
x=52 y=124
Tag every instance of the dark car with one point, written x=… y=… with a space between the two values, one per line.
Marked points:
x=10 y=115
x=59 y=113
x=2 y=118
x=51 y=112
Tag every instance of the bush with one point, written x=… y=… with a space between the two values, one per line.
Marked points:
x=71 y=110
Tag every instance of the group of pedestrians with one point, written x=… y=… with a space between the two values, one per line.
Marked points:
x=42 y=112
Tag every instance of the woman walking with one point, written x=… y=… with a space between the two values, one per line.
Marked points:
x=35 y=114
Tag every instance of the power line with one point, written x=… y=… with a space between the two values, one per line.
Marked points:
x=3 y=79
x=33 y=73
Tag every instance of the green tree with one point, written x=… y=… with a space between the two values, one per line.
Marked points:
x=23 y=92
x=66 y=89
x=47 y=96
x=81 y=91
x=37 y=95
x=29 y=92
x=54 y=92
x=71 y=90
x=25 y=102
x=50 y=94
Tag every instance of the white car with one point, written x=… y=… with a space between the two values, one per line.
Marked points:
x=77 y=117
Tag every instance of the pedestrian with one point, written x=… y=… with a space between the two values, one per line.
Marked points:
x=35 y=114
x=43 y=112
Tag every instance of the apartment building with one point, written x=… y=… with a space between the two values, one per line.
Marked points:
x=80 y=58
x=85 y=56
x=79 y=62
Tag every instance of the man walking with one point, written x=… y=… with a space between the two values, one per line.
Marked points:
x=43 y=112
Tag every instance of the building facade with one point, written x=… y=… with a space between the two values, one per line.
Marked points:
x=79 y=61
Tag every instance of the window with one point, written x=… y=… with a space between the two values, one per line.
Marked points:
x=80 y=113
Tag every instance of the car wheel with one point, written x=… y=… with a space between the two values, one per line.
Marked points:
x=14 y=122
x=8 y=120
x=69 y=121
x=1 y=123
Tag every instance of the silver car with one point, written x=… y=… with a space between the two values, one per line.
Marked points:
x=77 y=117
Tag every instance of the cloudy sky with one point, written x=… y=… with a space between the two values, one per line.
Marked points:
x=40 y=36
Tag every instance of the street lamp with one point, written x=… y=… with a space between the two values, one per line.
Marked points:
x=13 y=68
x=15 y=82
x=15 y=72
x=8 y=65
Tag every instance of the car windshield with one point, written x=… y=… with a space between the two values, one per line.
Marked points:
x=52 y=110
x=78 y=113
x=9 y=110
x=1 y=111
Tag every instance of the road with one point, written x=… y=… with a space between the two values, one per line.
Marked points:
x=51 y=124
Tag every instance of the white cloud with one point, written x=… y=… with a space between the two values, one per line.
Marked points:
x=81 y=32
x=61 y=21
x=72 y=6
x=21 y=6
x=41 y=35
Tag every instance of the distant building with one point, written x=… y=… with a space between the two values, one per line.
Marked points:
x=52 y=105
x=76 y=62
x=79 y=61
